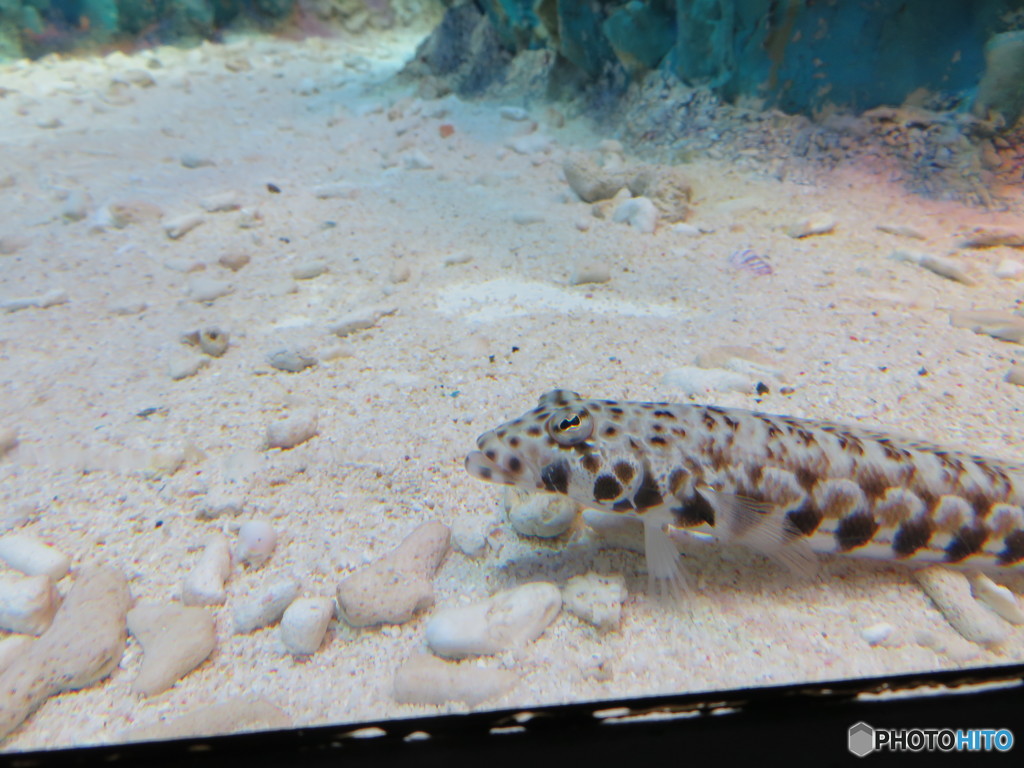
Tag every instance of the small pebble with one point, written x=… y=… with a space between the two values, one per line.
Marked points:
x=951 y=593
x=900 y=231
x=391 y=589
x=256 y=542
x=816 y=224
x=204 y=585
x=360 y=320
x=545 y=515
x=49 y=122
x=416 y=161
x=27 y=604
x=876 y=634
x=686 y=230
x=49 y=299
x=264 y=608
x=32 y=557
x=175 y=639
x=1009 y=269
x=309 y=270
x=468 y=538
x=991 y=237
x=596 y=599
x=997 y=597
x=221 y=202
x=995 y=323
x=179 y=226
x=639 y=212
x=193 y=160
x=182 y=366
x=1015 y=375
x=335 y=190
x=207 y=289
x=504 y=621
x=940 y=265
x=213 y=341
x=424 y=679
x=293 y=430
x=291 y=360
x=218 y=503
x=515 y=114
x=128 y=308
x=8 y=440
x=76 y=206
x=530 y=144
x=585 y=273
x=305 y=623
x=525 y=218
x=699 y=381
x=234 y=261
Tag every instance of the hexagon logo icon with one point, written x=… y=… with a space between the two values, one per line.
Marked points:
x=860 y=739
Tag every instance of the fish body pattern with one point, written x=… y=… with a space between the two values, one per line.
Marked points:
x=784 y=486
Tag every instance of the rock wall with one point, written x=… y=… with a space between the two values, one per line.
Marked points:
x=797 y=55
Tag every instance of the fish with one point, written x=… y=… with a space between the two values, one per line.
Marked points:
x=751 y=262
x=790 y=488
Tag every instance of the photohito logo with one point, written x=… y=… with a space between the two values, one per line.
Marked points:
x=862 y=739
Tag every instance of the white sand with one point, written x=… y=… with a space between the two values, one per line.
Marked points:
x=397 y=414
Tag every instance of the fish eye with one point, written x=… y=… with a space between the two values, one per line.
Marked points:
x=570 y=426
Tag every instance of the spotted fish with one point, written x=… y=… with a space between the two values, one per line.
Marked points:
x=787 y=487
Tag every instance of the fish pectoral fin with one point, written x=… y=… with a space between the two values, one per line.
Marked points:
x=761 y=526
x=667 y=578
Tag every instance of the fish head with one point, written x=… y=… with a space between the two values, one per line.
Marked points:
x=566 y=445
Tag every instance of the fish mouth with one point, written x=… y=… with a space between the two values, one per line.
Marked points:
x=482 y=468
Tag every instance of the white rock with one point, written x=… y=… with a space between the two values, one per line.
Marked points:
x=392 y=588
x=264 y=608
x=997 y=597
x=515 y=114
x=1009 y=269
x=699 y=381
x=545 y=515
x=179 y=226
x=940 y=265
x=27 y=604
x=425 y=679
x=686 y=230
x=206 y=289
x=596 y=599
x=530 y=144
x=32 y=557
x=525 y=218
x=416 y=161
x=360 y=320
x=951 y=593
x=204 y=585
x=220 y=202
x=76 y=206
x=256 y=542
x=220 y=502
x=175 y=639
x=83 y=645
x=44 y=301
x=8 y=442
x=309 y=269
x=505 y=621
x=182 y=366
x=13 y=648
x=306 y=87
x=334 y=190
x=639 y=212
x=815 y=224
x=305 y=623
x=876 y=633
x=468 y=538
x=588 y=272
x=293 y=430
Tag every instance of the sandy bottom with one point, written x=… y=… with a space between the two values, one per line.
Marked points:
x=485 y=323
